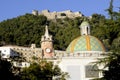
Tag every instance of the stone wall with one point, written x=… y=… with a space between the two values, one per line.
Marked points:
x=55 y=15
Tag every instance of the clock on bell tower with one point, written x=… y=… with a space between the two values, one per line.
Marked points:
x=47 y=44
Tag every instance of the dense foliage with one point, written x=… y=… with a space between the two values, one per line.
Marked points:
x=27 y=29
x=5 y=70
x=42 y=71
x=37 y=71
x=113 y=72
x=22 y=30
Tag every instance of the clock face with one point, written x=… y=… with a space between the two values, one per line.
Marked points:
x=48 y=50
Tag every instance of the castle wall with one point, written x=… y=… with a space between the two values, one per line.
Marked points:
x=54 y=15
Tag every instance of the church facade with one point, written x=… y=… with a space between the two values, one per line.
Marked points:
x=78 y=58
x=83 y=51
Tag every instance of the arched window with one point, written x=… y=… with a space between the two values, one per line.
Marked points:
x=87 y=30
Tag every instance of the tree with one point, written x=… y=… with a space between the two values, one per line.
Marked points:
x=116 y=44
x=42 y=71
x=5 y=70
x=110 y=10
x=111 y=70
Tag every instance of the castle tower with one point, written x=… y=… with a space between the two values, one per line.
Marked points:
x=47 y=44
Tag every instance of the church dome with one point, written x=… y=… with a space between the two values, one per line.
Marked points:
x=85 y=43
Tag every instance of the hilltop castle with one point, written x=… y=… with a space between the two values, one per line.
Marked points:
x=61 y=15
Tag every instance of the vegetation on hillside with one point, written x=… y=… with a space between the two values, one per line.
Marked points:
x=27 y=29
x=112 y=61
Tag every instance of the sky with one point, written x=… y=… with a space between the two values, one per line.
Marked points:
x=13 y=8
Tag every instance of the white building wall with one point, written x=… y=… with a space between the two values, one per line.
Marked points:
x=78 y=63
x=5 y=52
x=21 y=64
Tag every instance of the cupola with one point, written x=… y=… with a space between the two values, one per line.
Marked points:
x=85 y=28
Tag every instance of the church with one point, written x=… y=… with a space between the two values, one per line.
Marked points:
x=77 y=60
x=79 y=56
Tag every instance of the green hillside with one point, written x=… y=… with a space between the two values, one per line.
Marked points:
x=27 y=29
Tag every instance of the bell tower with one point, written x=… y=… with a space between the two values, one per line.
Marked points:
x=47 y=44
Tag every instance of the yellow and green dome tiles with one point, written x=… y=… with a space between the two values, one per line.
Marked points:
x=85 y=43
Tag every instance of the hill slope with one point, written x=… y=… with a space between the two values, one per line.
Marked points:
x=27 y=29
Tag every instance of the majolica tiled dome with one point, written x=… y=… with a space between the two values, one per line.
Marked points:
x=85 y=43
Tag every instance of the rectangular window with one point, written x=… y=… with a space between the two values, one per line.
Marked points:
x=91 y=71
x=74 y=72
x=3 y=55
x=4 y=50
